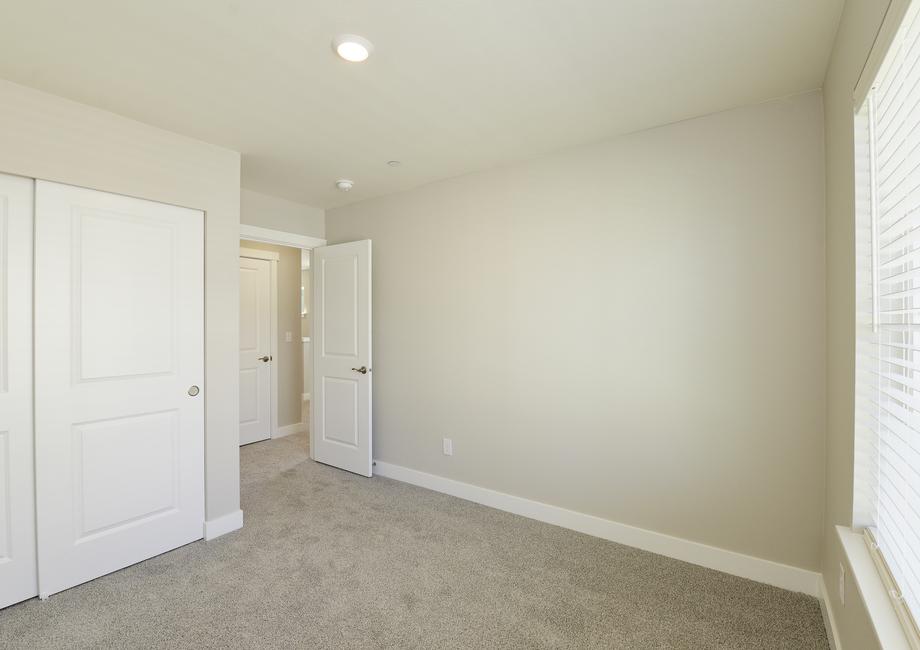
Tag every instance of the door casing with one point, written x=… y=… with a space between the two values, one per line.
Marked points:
x=291 y=240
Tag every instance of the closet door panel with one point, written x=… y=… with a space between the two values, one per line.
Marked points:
x=119 y=363
x=18 y=579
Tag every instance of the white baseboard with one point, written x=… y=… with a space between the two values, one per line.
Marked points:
x=289 y=430
x=223 y=525
x=827 y=613
x=745 y=566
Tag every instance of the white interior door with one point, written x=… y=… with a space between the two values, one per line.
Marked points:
x=119 y=366
x=255 y=350
x=18 y=574
x=341 y=413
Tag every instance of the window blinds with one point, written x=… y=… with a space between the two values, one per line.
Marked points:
x=887 y=486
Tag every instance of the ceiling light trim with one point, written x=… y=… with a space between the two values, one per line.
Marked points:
x=352 y=48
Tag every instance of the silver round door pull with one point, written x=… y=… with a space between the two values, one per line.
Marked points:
x=193 y=390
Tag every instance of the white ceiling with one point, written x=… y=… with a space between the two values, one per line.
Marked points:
x=454 y=86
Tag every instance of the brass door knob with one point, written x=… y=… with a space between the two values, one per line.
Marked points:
x=266 y=358
x=362 y=370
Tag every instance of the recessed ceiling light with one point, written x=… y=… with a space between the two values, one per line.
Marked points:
x=352 y=47
x=394 y=163
x=344 y=184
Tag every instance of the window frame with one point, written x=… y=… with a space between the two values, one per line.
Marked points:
x=866 y=220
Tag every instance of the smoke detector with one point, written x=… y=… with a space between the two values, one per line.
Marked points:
x=344 y=184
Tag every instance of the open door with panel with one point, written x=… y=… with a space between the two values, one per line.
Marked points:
x=341 y=414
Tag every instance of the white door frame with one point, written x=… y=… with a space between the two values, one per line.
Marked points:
x=278 y=238
x=271 y=257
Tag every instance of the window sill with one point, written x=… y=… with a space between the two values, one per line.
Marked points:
x=871 y=589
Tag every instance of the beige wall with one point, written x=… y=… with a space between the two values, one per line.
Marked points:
x=280 y=214
x=632 y=329
x=290 y=355
x=858 y=27
x=43 y=136
x=307 y=321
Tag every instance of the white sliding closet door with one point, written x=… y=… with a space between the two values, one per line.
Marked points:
x=18 y=579
x=119 y=363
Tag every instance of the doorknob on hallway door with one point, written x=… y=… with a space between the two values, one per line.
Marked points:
x=266 y=358
x=363 y=370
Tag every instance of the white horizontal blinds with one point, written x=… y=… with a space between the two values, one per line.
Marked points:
x=887 y=496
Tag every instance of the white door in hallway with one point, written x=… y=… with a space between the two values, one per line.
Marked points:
x=255 y=350
x=119 y=366
x=341 y=402
x=18 y=574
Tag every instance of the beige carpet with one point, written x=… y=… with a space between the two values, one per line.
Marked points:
x=332 y=560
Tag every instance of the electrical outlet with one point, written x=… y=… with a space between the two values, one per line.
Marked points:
x=288 y=337
x=842 y=583
x=448 y=447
